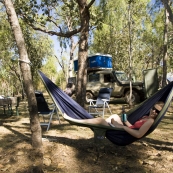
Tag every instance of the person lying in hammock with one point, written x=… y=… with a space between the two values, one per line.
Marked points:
x=138 y=129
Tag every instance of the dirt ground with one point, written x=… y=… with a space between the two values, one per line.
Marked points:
x=70 y=149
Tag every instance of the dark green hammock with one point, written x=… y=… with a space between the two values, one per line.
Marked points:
x=67 y=105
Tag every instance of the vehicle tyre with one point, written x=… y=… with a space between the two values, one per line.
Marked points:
x=135 y=97
x=89 y=95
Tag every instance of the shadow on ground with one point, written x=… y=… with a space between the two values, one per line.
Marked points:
x=68 y=148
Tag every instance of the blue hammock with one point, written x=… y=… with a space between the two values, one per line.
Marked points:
x=67 y=105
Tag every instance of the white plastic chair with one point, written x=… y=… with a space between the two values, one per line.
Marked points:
x=102 y=102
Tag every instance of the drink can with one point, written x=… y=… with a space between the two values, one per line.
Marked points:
x=124 y=117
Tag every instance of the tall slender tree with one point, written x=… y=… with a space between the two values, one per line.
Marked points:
x=83 y=50
x=81 y=25
x=167 y=6
x=26 y=72
x=165 y=45
x=130 y=49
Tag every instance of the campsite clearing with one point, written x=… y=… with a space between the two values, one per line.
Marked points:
x=70 y=149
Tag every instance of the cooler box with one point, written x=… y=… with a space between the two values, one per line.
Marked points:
x=97 y=61
x=100 y=61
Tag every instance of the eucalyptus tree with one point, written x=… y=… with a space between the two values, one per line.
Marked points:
x=108 y=38
x=147 y=36
x=9 y=71
x=112 y=38
x=165 y=45
x=56 y=18
x=161 y=19
x=39 y=48
x=6 y=42
x=50 y=67
x=167 y=37
x=167 y=4
x=47 y=16
x=130 y=50
x=26 y=72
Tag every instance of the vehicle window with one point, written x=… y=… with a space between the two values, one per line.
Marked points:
x=94 y=78
x=107 y=78
x=122 y=76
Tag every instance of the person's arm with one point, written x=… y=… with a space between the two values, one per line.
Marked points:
x=127 y=123
x=143 y=129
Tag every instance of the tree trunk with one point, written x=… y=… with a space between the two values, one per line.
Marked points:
x=72 y=49
x=83 y=53
x=36 y=135
x=167 y=6
x=130 y=53
x=165 y=48
x=70 y=67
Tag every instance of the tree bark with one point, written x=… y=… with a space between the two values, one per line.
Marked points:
x=72 y=48
x=168 y=9
x=130 y=52
x=36 y=135
x=83 y=51
x=165 y=47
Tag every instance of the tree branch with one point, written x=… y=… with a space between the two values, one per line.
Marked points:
x=61 y=65
x=91 y=3
x=61 y=34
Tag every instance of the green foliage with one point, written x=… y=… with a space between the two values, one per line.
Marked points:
x=39 y=48
x=109 y=32
x=146 y=35
x=60 y=80
x=45 y=14
x=50 y=66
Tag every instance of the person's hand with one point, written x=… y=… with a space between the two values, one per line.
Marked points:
x=116 y=124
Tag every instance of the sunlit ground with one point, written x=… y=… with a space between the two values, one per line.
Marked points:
x=70 y=149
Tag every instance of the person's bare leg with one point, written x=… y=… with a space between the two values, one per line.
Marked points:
x=98 y=120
